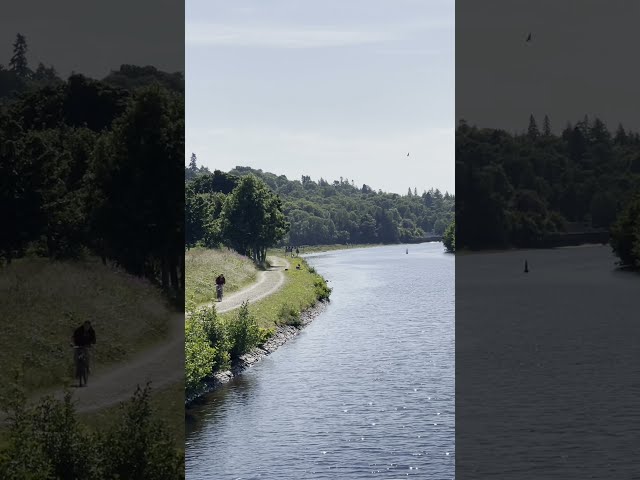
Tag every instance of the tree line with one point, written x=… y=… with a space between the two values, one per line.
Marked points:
x=91 y=166
x=318 y=212
x=517 y=189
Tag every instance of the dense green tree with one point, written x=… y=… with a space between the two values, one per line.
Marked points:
x=251 y=219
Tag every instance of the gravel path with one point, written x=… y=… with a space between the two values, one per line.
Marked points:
x=268 y=282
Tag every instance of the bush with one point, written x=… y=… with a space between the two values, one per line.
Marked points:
x=200 y=356
x=265 y=334
x=244 y=332
x=138 y=447
x=47 y=442
x=217 y=333
x=322 y=290
x=289 y=316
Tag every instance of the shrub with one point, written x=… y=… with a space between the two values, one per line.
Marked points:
x=288 y=315
x=47 y=442
x=200 y=356
x=265 y=334
x=321 y=288
x=244 y=332
x=217 y=333
x=136 y=446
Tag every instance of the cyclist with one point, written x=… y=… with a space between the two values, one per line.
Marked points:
x=220 y=281
x=84 y=336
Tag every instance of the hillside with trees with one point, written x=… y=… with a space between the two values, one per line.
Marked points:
x=318 y=212
x=80 y=165
x=522 y=189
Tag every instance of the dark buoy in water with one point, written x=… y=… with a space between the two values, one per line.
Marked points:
x=407 y=251
x=526 y=267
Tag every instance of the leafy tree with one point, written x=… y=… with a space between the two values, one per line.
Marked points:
x=252 y=219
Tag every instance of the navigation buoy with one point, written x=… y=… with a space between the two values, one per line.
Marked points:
x=526 y=267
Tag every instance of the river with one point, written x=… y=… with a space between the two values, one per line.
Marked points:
x=365 y=391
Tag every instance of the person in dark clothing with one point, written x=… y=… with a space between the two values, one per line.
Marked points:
x=84 y=336
x=220 y=281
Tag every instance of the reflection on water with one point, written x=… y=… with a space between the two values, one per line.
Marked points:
x=366 y=391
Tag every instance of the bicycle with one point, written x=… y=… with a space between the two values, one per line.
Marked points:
x=81 y=360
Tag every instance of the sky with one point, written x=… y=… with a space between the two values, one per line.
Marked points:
x=94 y=38
x=328 y=89
x=582 y=60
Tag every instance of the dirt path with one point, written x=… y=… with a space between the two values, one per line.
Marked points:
x=268 y=282
x=159 y=365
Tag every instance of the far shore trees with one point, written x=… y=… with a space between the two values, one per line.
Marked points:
x=319 y=212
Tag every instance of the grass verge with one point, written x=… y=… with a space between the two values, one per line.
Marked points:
x=214 y=340
x=302 y=290
x=203 y=265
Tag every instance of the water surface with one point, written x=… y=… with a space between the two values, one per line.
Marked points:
x=365 y=391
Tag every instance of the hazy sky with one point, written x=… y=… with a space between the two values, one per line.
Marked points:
x=583 y=60
x=325 y=89
x=94 y=38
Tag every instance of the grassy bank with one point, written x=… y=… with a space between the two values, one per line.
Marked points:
x=214 y=341
x=203 y=265
x=42 y=303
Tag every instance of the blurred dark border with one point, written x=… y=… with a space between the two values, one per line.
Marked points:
x=91 y=187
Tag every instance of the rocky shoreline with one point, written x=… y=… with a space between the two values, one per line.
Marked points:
x=282 y=335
